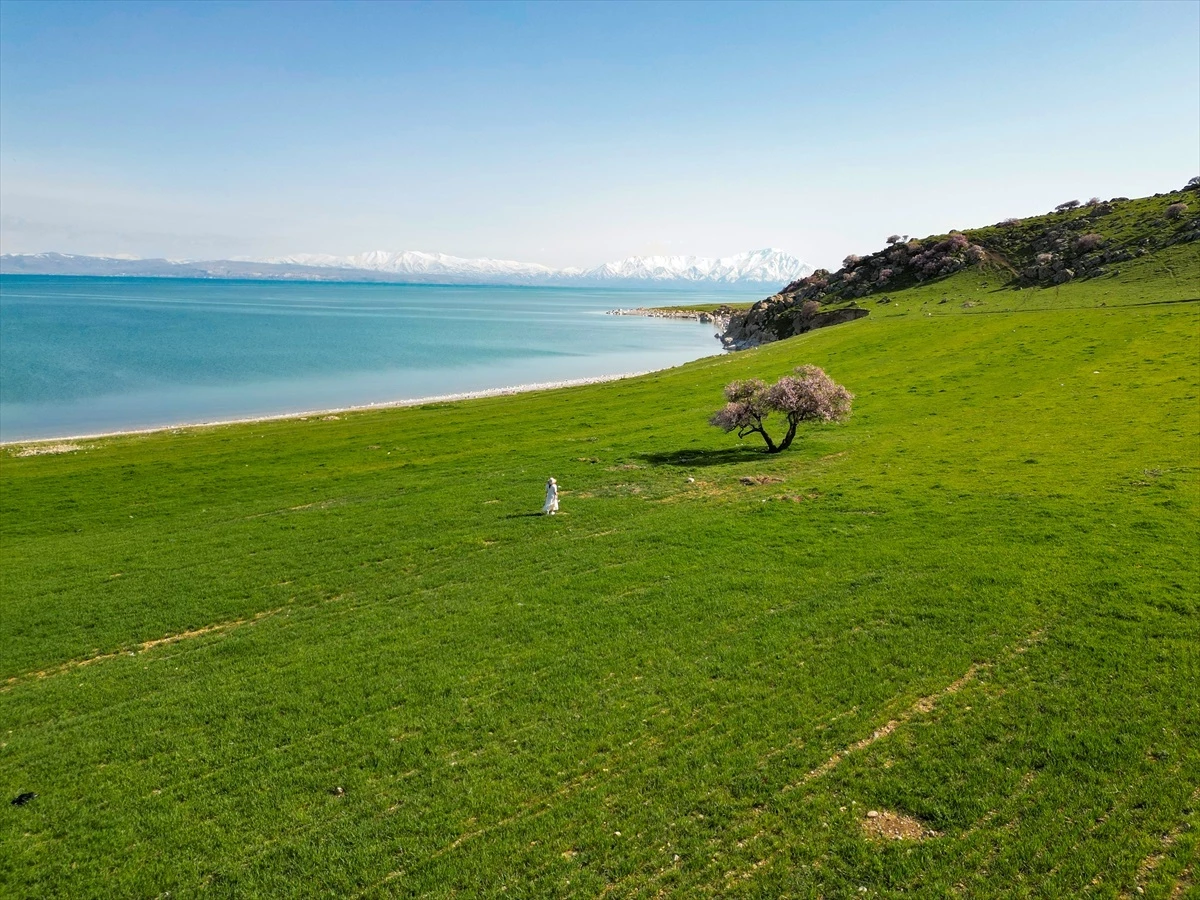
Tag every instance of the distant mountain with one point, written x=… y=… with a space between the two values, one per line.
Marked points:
x=757 y=267
x=415 y=265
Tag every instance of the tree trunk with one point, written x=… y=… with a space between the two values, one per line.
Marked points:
x=791 y=433
x=759 y=429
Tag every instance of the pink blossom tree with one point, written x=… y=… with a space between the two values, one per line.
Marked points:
x=809 y=395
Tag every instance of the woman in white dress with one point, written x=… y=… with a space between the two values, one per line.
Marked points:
x=551 y=506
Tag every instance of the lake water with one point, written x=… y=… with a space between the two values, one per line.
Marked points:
x=91 y=355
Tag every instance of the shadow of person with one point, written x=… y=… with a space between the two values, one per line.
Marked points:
x=532 y=515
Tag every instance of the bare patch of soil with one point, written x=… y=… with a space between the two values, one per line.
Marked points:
x=760 y=479
x=891 y=826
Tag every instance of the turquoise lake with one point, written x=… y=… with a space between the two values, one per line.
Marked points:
x=93 y=355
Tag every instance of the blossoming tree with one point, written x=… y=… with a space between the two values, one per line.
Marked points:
x=809 y=395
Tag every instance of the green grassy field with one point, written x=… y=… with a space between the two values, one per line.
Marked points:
x=340 y=657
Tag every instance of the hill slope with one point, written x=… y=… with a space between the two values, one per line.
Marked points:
x=1121 y=242
x=341 y=657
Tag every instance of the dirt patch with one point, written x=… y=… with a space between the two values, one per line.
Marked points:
x=47 y=449
x=882 y=825
x=760 y=479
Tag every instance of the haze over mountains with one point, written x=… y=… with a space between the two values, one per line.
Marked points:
x=753 y=268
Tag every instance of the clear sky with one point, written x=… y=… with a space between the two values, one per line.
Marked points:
x=575 y=133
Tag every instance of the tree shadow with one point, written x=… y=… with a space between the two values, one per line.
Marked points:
x=693 y=459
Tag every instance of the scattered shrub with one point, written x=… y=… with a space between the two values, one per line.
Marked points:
x=810 y=308
x=1092 y=201
x=851 y=261
x=1089 y=242
x=1070 y=204
x=1176 y=211
x=1009 y=223
x=893 y=239
x=1193 y=182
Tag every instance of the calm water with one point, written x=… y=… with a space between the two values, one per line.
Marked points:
x=87 y=355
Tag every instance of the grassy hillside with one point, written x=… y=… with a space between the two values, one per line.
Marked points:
x=341 y=657
x=1117 y=251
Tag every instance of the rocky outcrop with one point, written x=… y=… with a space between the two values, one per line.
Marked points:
x=779 y=317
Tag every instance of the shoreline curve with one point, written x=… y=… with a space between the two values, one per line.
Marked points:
x=365 y=407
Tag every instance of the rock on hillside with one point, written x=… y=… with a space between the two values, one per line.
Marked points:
x=1074 y=242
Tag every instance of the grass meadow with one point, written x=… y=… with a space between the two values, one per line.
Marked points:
x=343 y=656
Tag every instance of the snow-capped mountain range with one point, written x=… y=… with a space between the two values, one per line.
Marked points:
x=758 y=267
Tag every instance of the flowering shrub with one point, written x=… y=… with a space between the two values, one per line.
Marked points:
x=810 y=308
x=1176 y=211
x=952 y=244
x=809 y=395
x=1089 y=242
x=1008 y=223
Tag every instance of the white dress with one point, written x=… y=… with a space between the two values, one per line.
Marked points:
x=551 y=506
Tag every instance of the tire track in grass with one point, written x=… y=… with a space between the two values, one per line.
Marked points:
x=923 y=706
x=530 y=810
x=1147 y=866
x=1124 y=800
x=602 y=766
x=217 y=628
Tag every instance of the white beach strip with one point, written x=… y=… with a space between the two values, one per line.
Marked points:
x=387 y=404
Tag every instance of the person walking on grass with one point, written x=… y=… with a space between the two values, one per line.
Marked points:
x=551 y=506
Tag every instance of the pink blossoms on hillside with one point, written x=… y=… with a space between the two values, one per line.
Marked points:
x=809 y=395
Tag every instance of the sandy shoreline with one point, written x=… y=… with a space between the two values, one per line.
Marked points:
x=389 y=404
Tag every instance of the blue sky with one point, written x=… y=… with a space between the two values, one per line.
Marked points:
x=575 y=133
